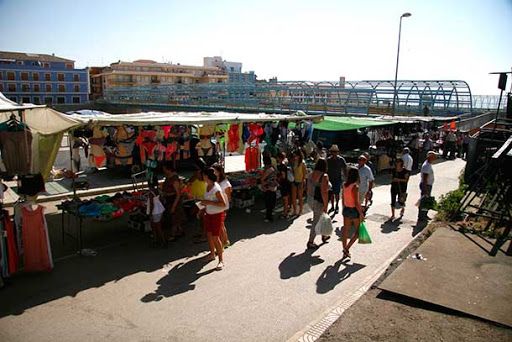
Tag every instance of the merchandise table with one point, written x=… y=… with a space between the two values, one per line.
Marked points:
x=102 y=208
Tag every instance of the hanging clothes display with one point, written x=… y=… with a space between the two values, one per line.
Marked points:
x=7 y=230
x=252 y=157
x=233 y=138
x=97 y=157
x=16 y=146
x=124 y=138
x=37 y=254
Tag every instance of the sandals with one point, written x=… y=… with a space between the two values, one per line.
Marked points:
x=346 y=254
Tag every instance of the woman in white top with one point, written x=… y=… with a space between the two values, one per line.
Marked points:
x=215 y=204
x=225 y=185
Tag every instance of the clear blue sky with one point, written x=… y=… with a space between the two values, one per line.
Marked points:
x=293 y=40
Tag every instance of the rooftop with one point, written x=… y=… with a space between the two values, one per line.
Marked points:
x=6 y=55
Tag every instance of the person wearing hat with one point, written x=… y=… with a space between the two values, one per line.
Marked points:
x=427 y=181
x=365 y=180
x=336 y=170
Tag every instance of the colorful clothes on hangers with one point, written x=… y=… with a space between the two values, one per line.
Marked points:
x=36 y=244
x=97 y=157
x=125 y=142
x=252 y=158
x=12 y=249
x=16 y=148
x=233 y=138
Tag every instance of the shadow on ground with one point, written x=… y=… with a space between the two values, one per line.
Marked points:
x=294 y=265
x=128 y=252
x=332 y=275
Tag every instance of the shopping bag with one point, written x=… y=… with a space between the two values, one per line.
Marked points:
x=428 y=202
x=324 y=225
x=364 y=236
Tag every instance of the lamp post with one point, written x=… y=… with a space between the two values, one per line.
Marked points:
x=405 y=15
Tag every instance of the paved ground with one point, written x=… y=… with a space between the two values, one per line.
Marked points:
x=271 y=289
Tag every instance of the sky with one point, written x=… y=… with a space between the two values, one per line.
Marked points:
x=314 y=40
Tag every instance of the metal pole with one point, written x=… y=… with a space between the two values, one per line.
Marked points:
x=396 y=69
x=395 y=95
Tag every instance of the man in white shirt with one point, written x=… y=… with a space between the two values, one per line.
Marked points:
x=406 y=157
x=427 y=181
x=365 y=181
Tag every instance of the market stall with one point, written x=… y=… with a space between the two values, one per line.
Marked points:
x=30 y=137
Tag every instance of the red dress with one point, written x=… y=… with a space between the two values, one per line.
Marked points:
x=36 y=248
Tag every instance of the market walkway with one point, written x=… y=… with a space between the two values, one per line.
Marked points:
x=271 y=289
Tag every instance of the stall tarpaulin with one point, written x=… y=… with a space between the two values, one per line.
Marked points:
x=47 y=127
x=182 y=118
x=343 y=123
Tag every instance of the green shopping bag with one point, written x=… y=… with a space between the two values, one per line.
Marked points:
x=364 y=237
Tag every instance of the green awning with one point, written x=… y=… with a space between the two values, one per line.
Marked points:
x=338 y=123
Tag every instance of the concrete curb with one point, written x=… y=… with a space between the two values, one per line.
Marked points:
x=319 y=326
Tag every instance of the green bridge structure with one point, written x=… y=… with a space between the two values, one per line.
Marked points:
x=441 y=97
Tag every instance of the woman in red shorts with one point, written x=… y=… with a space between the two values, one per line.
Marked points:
x=215 y=203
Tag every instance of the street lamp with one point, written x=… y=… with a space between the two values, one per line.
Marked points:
x=405 y=15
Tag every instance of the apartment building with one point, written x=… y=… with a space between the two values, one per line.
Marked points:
x=41 y=78
x=147 y=72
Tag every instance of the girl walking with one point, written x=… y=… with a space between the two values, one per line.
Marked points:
x=299 y=175
x=225 y=185
x=352 y=211
x=215 y=205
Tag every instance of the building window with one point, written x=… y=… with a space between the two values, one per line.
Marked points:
x=47 y=77
x=36 y=100
x=69 y=66
x=25 y=87
x=10 y=75
x=13 y=98
x=77 y=88
x=61 y=99
x=24 y=76
x=62 y=88
x=25 y=100
x=60 y=77
x=36 y=88
x=46 y=65
x=1 y=87
x=1 y=75
x=76 y=78
x=11 y=87
x=35 y=76
x=76 y=99
x=48 y=88
x=48 y=100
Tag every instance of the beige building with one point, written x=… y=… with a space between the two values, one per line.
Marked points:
x=148 y=72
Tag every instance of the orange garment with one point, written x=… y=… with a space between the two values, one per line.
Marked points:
x=36 y=247
x=349 y=199
x=252 y=158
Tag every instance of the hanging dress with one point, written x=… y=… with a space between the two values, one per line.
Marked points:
x=36 y=243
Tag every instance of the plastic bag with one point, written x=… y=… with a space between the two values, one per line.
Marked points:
x=324 y=225
x=364 y=236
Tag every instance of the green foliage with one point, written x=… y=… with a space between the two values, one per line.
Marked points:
x=449 y=203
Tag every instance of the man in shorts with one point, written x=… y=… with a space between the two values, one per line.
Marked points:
x=336 y=170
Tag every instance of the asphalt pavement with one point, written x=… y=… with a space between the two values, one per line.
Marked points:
x=272 y=288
